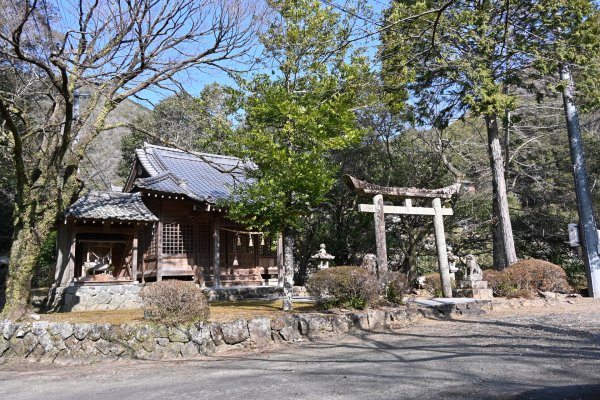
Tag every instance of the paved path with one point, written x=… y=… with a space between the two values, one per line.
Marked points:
x=538 y=353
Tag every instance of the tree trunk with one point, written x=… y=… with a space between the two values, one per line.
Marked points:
x=288 y=267
x=499 y=256
x=504 y=233
x=36 y=211
x=410 y=254
x=26 y=247
x=304 y=256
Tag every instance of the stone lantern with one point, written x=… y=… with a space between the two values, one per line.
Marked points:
x=323 y=257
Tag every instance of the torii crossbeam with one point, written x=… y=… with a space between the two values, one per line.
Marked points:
x=408 y=194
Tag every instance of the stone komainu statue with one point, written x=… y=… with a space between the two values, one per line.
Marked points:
x=473 y=270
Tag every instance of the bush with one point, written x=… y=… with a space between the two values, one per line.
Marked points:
x=432 y=283
x=575 y=270
x=345 y=287
x=173 y=302
x=525 y=278
x=397 y=284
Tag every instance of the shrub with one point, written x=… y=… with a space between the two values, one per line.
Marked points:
x=397 y=283
x=173 y=302
x=432 y=283
x=575 y=270
x=525 y=278
x=346 y=287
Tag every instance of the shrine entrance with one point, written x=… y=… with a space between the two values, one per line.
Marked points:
x=437 y=211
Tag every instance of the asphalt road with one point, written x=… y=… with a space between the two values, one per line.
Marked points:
x=525 y=354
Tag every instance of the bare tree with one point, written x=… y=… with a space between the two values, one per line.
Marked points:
x=118 y=49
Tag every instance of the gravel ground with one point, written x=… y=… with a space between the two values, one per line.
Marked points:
x=527 y=353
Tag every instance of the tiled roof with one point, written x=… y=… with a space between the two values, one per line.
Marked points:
x=164 y=182
x=200 y=176
x=111 y=205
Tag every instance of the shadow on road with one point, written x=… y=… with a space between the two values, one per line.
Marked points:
x=574 y=392
x=500 y=359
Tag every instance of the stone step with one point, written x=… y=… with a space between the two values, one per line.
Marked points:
x=472 y=284
x=479 y=294
x=241 y=283
x=240 y=276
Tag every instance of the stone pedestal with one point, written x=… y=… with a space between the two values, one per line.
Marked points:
x=476 y=289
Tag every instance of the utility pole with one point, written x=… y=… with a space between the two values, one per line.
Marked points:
x=587 y=225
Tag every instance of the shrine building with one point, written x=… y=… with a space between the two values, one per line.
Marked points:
x=167 y=223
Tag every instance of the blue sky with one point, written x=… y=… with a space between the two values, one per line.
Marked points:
x=193 y=81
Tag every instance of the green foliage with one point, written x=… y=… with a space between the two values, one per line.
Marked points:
x=526 y=278
x=344 y=287
x=295 y=118
x=468 y=54
x=43 y=272
x=433 y=284
x=566 y=32
x=575 y=270
x=454 y=64
x=397 y=283
x=175 y=302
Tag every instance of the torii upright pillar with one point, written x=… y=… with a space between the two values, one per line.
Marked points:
x=380 y=239
x=442 y=251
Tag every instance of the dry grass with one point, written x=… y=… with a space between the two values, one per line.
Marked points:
x=116 y=317
x=222 y=311
x=225 y=311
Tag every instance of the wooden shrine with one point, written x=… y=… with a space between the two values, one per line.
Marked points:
x=167 y=223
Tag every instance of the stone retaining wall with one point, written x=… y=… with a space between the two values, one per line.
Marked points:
x=117 y=297
x=95 y=297
x=243 y=292
x=58 y=342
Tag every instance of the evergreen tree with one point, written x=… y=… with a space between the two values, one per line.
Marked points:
x=467 y=59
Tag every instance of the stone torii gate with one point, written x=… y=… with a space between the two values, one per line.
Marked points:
x=437 y=211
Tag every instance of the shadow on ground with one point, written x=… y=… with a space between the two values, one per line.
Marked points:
x=574 y=392
x=497 y=359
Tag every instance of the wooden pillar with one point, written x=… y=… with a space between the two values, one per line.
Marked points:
x=217 y=252
x=70 y=270
x=62 y=257
x=440 y=243
x=143 y=263
x=159 y=250
x=256 y=251
x=134 y=255
x=382 y=264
